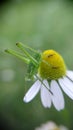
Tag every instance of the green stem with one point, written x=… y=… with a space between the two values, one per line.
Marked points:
x=20 y=45
x=26 y=60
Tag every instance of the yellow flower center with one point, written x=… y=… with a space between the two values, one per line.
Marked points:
x=52 y=65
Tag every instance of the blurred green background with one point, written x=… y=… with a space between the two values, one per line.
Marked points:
x=41 y=24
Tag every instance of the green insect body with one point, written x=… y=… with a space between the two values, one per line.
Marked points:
x=30 y=56
x=32 y=70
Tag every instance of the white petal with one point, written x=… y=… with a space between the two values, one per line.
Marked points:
x=67 y=86
x=57 y=96
x=70 y=74
x=32 y=91
x=45 y=95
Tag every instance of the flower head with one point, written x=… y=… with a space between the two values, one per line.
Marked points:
x=51 y=76
x=50 y=125
x=52 y=65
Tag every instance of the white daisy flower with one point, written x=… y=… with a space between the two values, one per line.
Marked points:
x=52 y=92
x=50 y=125
x=53 y=77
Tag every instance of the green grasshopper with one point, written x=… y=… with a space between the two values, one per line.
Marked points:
x=32 y=59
